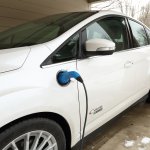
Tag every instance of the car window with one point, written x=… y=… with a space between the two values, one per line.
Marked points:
x=111 y=28
x=41 y=30
x=96 y=31
x=139 y=34
x=67 y=52
x=148 y=33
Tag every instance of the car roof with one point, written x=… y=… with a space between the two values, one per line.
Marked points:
x=111 y=12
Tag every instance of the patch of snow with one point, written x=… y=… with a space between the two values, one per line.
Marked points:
x=129 y=143
x=145 y=140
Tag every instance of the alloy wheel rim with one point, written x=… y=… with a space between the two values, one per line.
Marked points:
x=34 y=140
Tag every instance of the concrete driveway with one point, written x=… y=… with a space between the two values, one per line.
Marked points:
x=129 y=132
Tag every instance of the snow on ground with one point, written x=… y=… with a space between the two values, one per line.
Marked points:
x=145 y=140
x=129 y=143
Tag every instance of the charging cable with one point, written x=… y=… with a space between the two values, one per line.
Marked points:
x=64 y=78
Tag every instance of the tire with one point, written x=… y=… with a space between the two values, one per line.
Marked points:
x=29 y=131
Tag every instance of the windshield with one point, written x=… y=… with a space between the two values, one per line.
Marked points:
x=42 y=30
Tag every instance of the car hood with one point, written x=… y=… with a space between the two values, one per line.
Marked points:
x=12 y=59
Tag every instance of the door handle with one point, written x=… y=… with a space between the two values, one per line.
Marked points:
x=128 y=64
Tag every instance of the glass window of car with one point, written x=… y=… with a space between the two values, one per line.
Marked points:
x=67 y=52
x=111 y=28
x=139 y=34
x=41 y=30
x=96 y=31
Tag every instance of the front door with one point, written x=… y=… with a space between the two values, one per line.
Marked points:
x=110 y=78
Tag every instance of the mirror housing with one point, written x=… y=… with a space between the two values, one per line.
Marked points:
x=100 y=47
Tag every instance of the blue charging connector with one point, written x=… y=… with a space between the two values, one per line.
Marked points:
x=64 y=77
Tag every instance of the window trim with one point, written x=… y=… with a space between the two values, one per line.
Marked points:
x=127 y=30
x=129 y=33
x=44 y=63
x=148 y=36
x=100 y=18
x=80 y=40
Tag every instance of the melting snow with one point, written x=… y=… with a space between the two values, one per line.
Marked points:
x=129 y=143
x=145 y=140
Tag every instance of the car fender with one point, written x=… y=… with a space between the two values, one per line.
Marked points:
x=28 y=101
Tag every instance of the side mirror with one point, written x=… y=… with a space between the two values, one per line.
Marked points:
x=100 y=47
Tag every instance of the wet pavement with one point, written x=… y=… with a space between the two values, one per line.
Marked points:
x=131 y=131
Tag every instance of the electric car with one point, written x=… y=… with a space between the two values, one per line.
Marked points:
x=110 y=51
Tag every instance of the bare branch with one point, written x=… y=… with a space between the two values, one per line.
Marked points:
x=145 y=14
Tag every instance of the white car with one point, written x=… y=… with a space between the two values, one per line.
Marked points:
x=109 y=50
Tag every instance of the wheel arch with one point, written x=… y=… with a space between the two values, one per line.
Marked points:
x=49 y=115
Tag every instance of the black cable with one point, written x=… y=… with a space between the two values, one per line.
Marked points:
x=86 y=114
x=79 y=107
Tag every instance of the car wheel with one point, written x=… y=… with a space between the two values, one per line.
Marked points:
x=33 y=134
